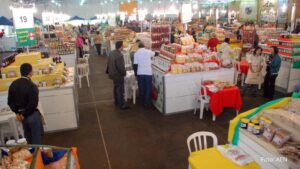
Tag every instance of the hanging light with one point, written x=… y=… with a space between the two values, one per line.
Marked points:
x=283 y=8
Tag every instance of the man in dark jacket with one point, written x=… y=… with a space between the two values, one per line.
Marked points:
x=116 y=71
x=23 y=98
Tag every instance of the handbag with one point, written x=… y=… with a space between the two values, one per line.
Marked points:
x=85 y=47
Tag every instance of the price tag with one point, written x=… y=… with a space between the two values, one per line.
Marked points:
x=23 y=18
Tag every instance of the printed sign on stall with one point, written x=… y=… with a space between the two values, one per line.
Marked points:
x=186 y=13
x=24 y=24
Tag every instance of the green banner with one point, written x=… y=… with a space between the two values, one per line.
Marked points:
x=26 y=37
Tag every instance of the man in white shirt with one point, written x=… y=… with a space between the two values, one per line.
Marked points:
x=142 y=60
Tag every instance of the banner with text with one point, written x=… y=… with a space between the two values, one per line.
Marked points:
x=24 y=24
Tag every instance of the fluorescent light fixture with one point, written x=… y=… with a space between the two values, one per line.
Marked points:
x=195 y=6
x=82 y=2
x=283 y=8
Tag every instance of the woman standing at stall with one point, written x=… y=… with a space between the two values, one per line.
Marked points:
x=213 y=42
x=226 y=53
x=79 y=45
x=254 y=75
x=273 y=66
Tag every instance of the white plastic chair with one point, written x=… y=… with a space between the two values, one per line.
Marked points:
x=104 y=48
x=131 y=86
x=127 y=60
x=86 y=56
x=202 y=100
x=237 y=73
x=10 y=128
x=83 y=71
x=195 y=139
x=237 y=52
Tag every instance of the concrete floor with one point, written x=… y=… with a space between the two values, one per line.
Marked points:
x=109 y=138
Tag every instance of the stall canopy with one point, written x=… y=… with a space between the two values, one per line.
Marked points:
x=5 y=21
x=93 y=18
x=76 y=18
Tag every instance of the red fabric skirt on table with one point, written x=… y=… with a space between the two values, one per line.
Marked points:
x=229 y=97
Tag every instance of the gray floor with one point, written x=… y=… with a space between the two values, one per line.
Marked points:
x=109 y=138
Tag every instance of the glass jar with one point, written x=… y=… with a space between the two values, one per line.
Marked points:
x=244 y=123
x=250 y=127
x=256 y=129
x=254 y=121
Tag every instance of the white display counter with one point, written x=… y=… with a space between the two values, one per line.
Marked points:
x=263 y=153
x=59 y=105
x=288 y=76
x=176 y=92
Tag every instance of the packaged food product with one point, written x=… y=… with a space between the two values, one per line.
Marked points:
x=250 y=127
x=244 y=123
x=269 y=133
x=254 y=121
x=291 y=149
x=262 y=120
x=256 y=130
x=267 y=123
x=280 y=138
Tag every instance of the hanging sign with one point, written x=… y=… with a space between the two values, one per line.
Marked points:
x=24 y=25
x=186 y=13
x=47 y=18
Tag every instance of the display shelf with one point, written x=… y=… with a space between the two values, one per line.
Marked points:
x=160 y=34
x=261 y=150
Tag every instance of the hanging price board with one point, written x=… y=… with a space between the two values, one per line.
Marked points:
x=47 y=18
x=186 y=13
x=24 y=24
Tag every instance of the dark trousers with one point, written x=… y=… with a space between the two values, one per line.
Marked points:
x=80 y=50
x=145 y=88
x=119 y=92
x=269 y=85
x=33 y=128
x=98 y=47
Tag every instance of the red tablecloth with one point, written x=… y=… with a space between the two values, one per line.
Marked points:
x=244 y=66
x=228 y=97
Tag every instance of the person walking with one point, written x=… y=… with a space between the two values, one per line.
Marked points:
x=273 y=66
x=142 y=60
x=23 y=98
x=79 y=45
x=254 y=75
x=116 y=71
x=98 y=42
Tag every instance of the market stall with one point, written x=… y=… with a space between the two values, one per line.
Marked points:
x=37 y=157
x=184 y=66
x=288 y=76
x=58 y=95
x=9 y=41
x=270 y=133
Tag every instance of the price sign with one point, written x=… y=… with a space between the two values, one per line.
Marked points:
x=186 y=13
x=47 y=18
x=23 y=18
x=24 y=24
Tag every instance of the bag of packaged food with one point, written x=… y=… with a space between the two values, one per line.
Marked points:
x=269 y=133
x=280 y=138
